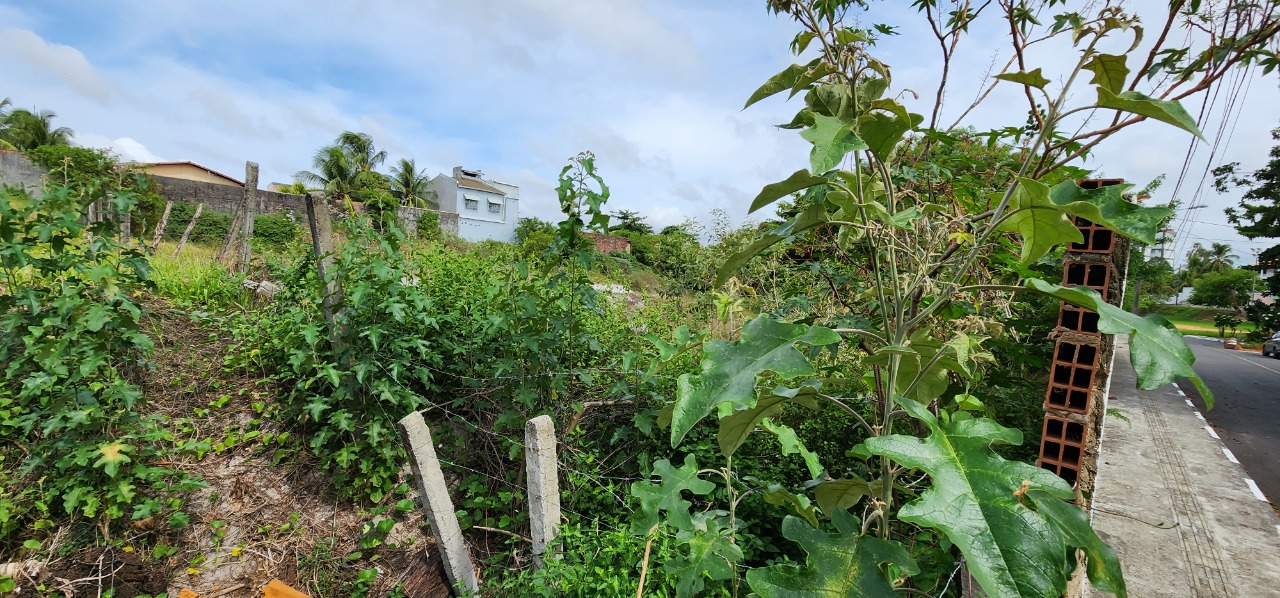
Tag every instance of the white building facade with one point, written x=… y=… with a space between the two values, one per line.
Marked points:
x=486 y=209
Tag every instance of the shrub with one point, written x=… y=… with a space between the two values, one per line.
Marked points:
x=429 y=226
x=210 y=228
x=275 y=230
x=69 y=328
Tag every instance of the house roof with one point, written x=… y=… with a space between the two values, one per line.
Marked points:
x=189 y=162
x=477 y=185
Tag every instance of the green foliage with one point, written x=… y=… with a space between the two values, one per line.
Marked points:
x=211 y=227
x=912 y=264
x=274 y=230
x=976 y=499
x=70 y=331
x=84 y=171
x=1231 y=289
x=730 y=370
x=429 y=226
x=847 y=563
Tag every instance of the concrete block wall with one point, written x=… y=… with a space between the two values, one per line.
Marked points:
x=225 y=198
x=409 y=220
x=16 y=169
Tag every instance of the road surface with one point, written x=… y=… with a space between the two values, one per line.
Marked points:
x=1246 y=387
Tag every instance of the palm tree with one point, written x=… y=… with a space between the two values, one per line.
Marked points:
x=28 y=129
x=1220 y=258
x=347 y=166
x=4 y=125
x=410 y=185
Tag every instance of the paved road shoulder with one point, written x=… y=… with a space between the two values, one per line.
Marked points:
x=1185 y=519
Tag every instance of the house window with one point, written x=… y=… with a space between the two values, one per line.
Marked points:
x=473 y=204
x=495 y=207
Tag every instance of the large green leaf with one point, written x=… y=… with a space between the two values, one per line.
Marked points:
x=735 y=428
x=928 y=385
x=844 y=564
x=667 y=495
x=1103 y=565
x=711 y=552
x=1107 y=206
x=833 y=495
x=1109 y=71
x=832 y=139
x=975 y=500
x=798 y=181
x=1033 y=79
x=1042 y=224
x=792 y=445
x=777 y=83
x=1156 y=349
x=813 y=215
x=729 y=370
x=1137 y=103
x=882 y=132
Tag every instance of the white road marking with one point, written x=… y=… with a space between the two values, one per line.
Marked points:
x=1249 y=361
x=1190 y=404
x=1253 y=486
x=1211 y=432
x=1199 y=416
x=1278 y=529
x=1175 y=387
x=1230 y=456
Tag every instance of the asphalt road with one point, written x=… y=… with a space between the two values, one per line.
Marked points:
x=1246 y=388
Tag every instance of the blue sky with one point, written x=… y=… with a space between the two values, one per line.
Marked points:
x=512 y=87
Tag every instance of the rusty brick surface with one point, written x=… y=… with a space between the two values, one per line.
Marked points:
x=1071 y=377
x=1062 y=447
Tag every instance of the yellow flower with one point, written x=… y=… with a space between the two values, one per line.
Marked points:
x=236 y=551
x=193 y=571
x=128 y=549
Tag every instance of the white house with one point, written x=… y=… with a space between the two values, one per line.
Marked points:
x=486 y=209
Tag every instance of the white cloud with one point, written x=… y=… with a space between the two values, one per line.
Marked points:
x=33 y=56
x=128 y=148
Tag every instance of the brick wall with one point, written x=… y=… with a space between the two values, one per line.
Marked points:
x=610 y=243
x=1075 y=401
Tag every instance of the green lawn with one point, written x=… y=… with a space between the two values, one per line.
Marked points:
x=1197 y=320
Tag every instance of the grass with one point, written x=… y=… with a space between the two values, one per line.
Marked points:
x=195 y=277
x=1197 y=320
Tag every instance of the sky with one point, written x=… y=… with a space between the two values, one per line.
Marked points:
x=654 y=88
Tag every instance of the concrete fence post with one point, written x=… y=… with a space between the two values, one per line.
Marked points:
x=322 y=245
x=543 y=484
x=250 y=208
x=435 y=496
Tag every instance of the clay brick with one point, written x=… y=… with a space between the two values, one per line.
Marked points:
x=1082 y=274
x=1062 y=447
x=1097 y=239
x=1077 y=319
x=1071 y=377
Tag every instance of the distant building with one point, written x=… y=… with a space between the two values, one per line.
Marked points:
x=187 y=170
x=486 y=209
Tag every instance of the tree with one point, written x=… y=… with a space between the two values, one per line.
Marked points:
x=409 y=185
x=28 y=129
x=4 y=124
x=1202 y=260
x=1231 y=289
x=630 y=221
x=346 y=167
x=1259 y=212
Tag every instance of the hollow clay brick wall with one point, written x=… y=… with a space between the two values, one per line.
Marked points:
x=1074 y=403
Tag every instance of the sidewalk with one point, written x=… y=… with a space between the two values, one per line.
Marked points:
x=1171 y=499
